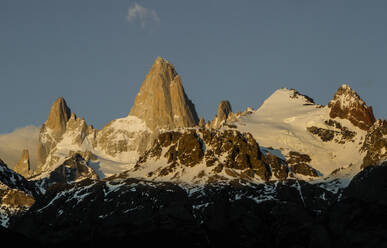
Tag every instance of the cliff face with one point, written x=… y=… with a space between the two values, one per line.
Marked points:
x=162 y=101
x=375 y=144
x=59 y=115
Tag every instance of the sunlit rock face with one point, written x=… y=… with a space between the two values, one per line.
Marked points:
x=17 y=195
x=375 y=144
x=23 y=166
x=347 y=104
x=162 y=102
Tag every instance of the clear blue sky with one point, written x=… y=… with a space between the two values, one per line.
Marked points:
x=96 y=53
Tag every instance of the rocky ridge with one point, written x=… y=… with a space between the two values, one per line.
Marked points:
x=201 y=156
x=289 y=121
x=225 y=116
x=75 y=168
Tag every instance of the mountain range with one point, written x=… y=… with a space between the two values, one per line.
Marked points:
x=291 y=172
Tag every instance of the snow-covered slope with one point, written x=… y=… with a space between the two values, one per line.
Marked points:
x=289 y=121
x=123 y=139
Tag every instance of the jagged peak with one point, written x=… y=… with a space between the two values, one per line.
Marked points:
x=163 y=68
x=224 y=109
x=23 y=166
x=162 y=101
x=347 y=96
x=345 y=86
x=160 y=60
x=60 y=113
x=347 y=104
x=73 y=116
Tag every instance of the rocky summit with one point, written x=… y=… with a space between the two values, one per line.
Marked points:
x=291 y=173
x=59 y=115
x=347 y=104
x=61 y=126
x=162 y=101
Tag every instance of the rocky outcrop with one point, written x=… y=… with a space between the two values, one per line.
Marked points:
x=202 y=123
x=224 y=113
x=299 y=164
x=225 y=117
x=324 y=134
x=208 y=155
x=304 y=169
x=14 y=180
x=23 y=166
x=333 y=131
x=13 y=202
x=73 y=169
x=224 y=110
x=279 y=167
x=375 y=144
x=80 y=131
x=346 y=104
x=297 y=95
x=162 y=102
x=14 y=198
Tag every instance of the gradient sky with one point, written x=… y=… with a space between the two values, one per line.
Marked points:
x=96 y=53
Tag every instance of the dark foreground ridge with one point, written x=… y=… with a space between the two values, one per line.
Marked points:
x=288 y=213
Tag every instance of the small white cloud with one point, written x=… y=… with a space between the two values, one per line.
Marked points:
x=143 y=15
